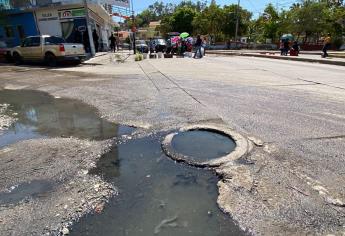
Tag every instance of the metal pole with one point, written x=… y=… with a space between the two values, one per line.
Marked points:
x=133 y=26
x=237 y=21
x=92 y=45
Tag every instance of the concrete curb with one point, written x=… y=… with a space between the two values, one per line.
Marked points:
x=288 y=58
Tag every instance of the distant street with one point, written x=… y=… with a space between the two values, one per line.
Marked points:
x=293 y=113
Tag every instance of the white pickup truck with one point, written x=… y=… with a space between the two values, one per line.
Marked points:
x=50 y=49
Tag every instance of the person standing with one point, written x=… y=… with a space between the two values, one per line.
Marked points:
x=326 y=45
x=112 y=40
x=77 y=36
x=198 y=45
x=86 y=42
x=286 y=44
x=117 y=42
x=95 y=39
x=204 y=44
x=281 y=47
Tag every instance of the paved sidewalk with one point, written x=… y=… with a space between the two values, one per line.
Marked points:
x=103 y=58
x=336 y=58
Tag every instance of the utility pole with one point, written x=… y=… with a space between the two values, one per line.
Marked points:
x=237 y=21
x=88 y=26
x=133 y=29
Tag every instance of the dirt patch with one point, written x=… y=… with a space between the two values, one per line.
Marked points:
x=66 y=163
x=265 y=193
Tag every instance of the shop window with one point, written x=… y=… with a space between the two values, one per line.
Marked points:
x=21 y=31
x=67 y=29
x=9 y=31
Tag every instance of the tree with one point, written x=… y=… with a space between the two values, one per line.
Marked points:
x=268 y=23
x=181 y=20
x=230 y=18
x=210 y=21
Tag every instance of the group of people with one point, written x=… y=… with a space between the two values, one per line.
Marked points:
x=294 y=49
x=83 y=38
x=286 y=47
x=185 y=45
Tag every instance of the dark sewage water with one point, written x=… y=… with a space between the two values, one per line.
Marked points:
x=156 y=195
x=202 y=145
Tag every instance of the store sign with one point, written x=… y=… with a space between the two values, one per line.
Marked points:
x=65 y=14
x=47 y=15
x=119 y=3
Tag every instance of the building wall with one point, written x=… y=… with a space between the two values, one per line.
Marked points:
x=15 y=27
x=48 y=22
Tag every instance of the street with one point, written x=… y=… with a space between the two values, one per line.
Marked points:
x=291 y=182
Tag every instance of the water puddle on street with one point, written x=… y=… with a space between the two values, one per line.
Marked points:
x=202 y=145
x=42 y=115
x=156 y=196
x=25 y=191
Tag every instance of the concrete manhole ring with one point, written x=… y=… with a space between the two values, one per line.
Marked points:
x=243 y=146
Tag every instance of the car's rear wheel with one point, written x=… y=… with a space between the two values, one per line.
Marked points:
x=17 y=58
x=50 y=60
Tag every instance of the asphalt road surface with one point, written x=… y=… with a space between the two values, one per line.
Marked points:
x=292 y=181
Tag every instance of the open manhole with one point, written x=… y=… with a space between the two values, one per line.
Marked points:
x=204 y=146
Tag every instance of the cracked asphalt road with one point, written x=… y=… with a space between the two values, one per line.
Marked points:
x=293 y=184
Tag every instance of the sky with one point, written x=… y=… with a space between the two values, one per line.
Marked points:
x=255 y=6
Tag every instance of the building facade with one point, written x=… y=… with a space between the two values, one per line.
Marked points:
x=65 y=18
x=16 y=25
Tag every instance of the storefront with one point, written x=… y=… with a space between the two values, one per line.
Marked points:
x=73 y=25
x=15 y=26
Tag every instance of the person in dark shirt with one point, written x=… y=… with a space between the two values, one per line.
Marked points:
x=112 y=40
x=295 y=46
x=95 y=39
x=198 y=45
x=326 y=45
x=86 y=42
x=77 y=36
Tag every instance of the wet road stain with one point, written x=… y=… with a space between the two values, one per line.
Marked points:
x=156 y=196
x=41 y=115
x=26 y=191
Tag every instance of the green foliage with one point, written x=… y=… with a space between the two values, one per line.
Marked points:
x=230 y=17
x=209 y=21
x=307 y=20
x=182 y=18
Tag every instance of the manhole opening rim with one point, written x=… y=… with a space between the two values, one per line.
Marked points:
x=242 y=146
